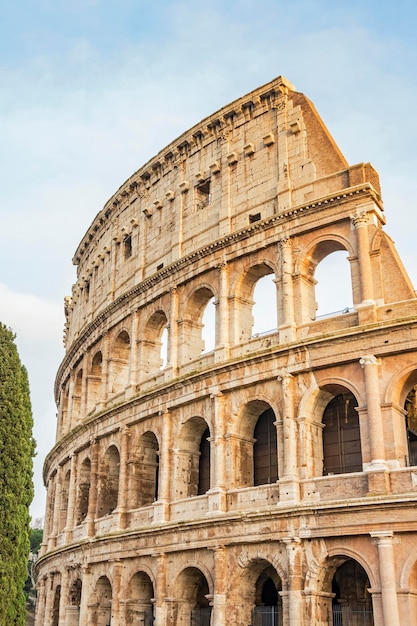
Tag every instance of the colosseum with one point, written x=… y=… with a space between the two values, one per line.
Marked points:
x=206 y=472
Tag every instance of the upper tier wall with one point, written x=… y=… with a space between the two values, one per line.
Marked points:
x=257 y=157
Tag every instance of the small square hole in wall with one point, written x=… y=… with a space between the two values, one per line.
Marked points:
x=255 y=217
x=202 y=194
x=159 y=267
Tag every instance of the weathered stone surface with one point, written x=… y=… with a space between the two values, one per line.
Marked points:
x=162 y=500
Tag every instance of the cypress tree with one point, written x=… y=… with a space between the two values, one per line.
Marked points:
x=17 y=449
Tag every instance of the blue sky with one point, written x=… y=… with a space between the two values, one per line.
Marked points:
x=91 y=89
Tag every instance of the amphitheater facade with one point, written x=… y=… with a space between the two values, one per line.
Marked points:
x=217 y=475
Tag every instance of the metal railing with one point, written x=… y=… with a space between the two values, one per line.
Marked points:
x=351 y=617
x=266 y=616
x=201 y=616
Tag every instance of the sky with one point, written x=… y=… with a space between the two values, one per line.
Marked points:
x=90 y=90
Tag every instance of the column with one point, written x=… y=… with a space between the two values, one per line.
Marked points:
x=286 y=325
x=72 y=503
x=122 y=496
x=161 y=591
x=104 y=390
x=217 y=495
x=57 y=509
x=92 y=500
x=219 y=597
x=222 y=314
x=85 y=595
x=295 y=577
x=288 y=478
x=40 y=602
x=161 y=506
x=369 y=363
x=84 y=388
x=360 y=222
x=134 y=355
x=63 y=600
x=384 y=541
x=116 y=593
x=378 y=477
x=49 y=599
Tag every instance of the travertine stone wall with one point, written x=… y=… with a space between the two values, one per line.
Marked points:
x=268 y=475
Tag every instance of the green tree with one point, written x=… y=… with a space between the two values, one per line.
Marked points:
x=17 y=449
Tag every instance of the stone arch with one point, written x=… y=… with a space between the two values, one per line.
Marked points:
x=341 y=441
x=151 y=342
x=401 y=396
x=108 y=483
x=94 y=381
x=192 y=341
x=247 y=452
x=144 y=471
x=101 y=603
x=139 y=599
x=342 y=589
x=193 y=590
x=306 y=265
x=243 y=302
x=408 y=583
x=119 y=362
x=188 y=454
x=84 y=483
x=260 y=587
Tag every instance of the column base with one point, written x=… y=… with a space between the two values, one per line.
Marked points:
x=216 y=501
x=161 y=512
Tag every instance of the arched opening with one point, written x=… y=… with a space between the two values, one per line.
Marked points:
x=198 y=326
x=192 y=443
x=84 y=482
x=255 y=302
x=119 y=364
x=55 y=606
x=139 y=605
x=204 y=464
x=208 y=331
x=325 y=281
x=268 y=606
x=144 y=472
x=264 y=310
x=154 y=345
x=100 y=608
x=63 y=502
x=108 y=491
x=76 y=398
x=342 y=451
x=94 y=382
x=249 y=447
x=352 y=602
x=193 y=594
x=265 y=457
x=333 y=284
x=411 y=425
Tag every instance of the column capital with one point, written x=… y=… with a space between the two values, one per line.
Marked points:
x=360 y=218
x=368 y=359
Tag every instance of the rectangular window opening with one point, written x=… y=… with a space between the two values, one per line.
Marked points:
x=254 y=218
x=127 y=246
x=203 y=195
